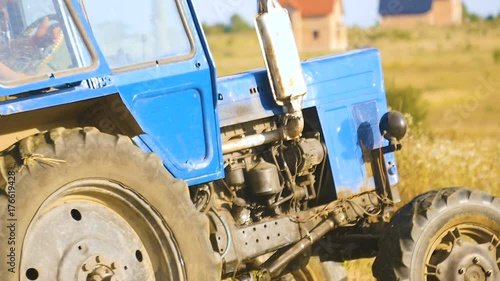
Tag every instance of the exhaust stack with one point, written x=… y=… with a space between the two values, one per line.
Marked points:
x=282 y=62
x=285 y=74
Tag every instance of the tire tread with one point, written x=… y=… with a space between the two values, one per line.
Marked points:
x=407 y=224
x=57 y=141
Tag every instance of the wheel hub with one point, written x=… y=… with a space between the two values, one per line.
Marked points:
x=99 y=270
x=475 y=273
x=469 y=262
x=88 y=255
x=85 y=232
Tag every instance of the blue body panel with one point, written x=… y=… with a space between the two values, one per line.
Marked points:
x=175 y=108
x=348 y=93
x=173 y=103
x=181 y=106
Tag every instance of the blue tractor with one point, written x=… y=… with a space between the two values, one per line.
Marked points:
x=125 y=157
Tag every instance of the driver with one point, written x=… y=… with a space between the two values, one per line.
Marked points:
x=13 y=49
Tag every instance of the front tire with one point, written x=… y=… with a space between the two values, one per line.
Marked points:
x=448 y=234
x=92 y=206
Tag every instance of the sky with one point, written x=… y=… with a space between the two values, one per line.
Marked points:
x=362 y=13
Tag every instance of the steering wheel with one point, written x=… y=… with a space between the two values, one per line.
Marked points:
x=29 y=30
x=36 y=52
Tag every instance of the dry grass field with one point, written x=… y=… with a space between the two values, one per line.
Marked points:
x=456 y=71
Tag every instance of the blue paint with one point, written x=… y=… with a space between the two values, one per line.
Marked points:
x=60 y=97
x=181 y=106
x=404 y=7
x=348 y=93
x=174 y=105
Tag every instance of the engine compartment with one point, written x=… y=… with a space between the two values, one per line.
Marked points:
x=272 y=179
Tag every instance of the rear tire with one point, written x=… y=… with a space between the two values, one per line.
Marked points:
x=91 y=205
x=448 y=234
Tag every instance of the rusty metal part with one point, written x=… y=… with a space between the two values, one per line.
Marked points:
x=469 y=261
x=465 y=252
x=255 y=240
x=251 y=141
x=76 y=236
x=381 y=177
x=304 y=155
x=281 y=55
x=293 y=125
x=263 y=179
x=277 y=263
x=252 y=241
x=285 y=76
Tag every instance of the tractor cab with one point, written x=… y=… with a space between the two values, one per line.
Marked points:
x=39 y=41
x=47 y=44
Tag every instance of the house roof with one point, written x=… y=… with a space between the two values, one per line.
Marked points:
x=311 y=8
x=404 y=7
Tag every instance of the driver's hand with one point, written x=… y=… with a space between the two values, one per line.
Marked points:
x=45 y=34
x=42 y=29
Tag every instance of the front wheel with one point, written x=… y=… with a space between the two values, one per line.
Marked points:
x=443 y=235
x=82 y=205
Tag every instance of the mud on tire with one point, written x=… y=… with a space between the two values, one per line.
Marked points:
x=55 y=170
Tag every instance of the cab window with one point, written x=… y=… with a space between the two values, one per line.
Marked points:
x=38 y=37
x=131 y=32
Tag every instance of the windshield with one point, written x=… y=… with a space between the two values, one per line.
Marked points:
x=38 y=37
x=131 y=32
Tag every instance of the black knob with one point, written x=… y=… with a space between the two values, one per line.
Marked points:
x=393 y=125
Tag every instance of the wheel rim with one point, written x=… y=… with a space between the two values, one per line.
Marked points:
x=465 y=252
x=98 y=230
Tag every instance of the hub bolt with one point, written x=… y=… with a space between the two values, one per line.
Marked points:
x=114 y=265
x=475 y=260
x=489 y=273
x=461 y=271
x=85 y=267
x=98 y=259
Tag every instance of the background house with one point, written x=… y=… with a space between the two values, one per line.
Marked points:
x=317 y=24
x=442 y=12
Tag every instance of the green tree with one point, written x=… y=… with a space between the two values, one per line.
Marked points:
x=468 y=16
x=238 y=24
x=214 y=29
